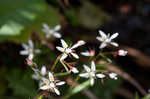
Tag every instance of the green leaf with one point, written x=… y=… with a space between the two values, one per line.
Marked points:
x=80 y=87
x=21 y=83
x=19 y=18
x=17 y=14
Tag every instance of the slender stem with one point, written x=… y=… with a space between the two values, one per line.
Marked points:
x=71 y=87
x=56 y=61
x=65 y=66
x=107 y=59
x=62 y=74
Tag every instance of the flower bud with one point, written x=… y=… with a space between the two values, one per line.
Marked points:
x=74 y=70
x=29 y=62
x=81 y=42
x=122 y=52
x=113 y=76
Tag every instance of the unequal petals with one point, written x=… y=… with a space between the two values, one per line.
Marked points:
x=51 y=77
x=103 y=45
x=57 y=28
x=100 y=75
x=64 y=44
x=92 y=81
x=60 y=49
x=60 y=83
x=64 y=56
x=114 y=44
x=103 y=35
x=57 y=35
x=85 y=75
x=106 y=39
x=114 y=36
x=56 y=91
x=24 y=52
x=93 y=68
x=75 y=55
x=87 y=68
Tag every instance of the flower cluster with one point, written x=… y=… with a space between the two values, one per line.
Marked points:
x=47 y=79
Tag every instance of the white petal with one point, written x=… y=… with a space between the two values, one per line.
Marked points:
x=60 y=83
x=87 y=68
x=103 y=35
x=56 y=91
x=114 y=36
x=85 y=53
x=99 y=38
x=85 y=75
x=37 y=51
x=57 y=35
x=24 y=52
x=51 y=77
x=75 y=46
x=60 y=48
x=64 y=56
x=30 y=57
x=93 y=68
x=100 y=75
x=43 y=70
x=92 y=81
x=25 y=46
x=75 y=55
x=114 y=44
x=31 y=43
x=57 y=28
x=45 y=87
x=45 y=28
x=103 y=45
x=64 y=44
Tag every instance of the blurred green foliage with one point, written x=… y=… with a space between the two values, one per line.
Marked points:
x=18 y=18
x=22 y=84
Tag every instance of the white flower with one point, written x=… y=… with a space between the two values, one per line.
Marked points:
x=88 y=53
x=74 y=70
x=113 y=76
x=106 y=39
x=91 y=73
x=122 y=52
x=66 y=50
x=51 y=32
x=51 y=84
x=29 y=50
x=42 y=72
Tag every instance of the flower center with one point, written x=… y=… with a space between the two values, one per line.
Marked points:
x=92 y=74
x=68 y=50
